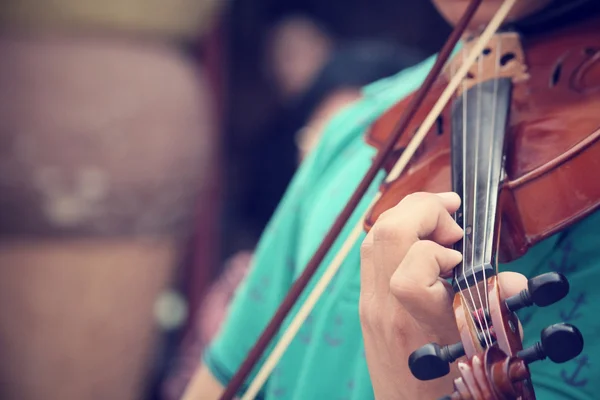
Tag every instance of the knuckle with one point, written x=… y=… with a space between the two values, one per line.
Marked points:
x=426 y=253
x=386 y=214
x=397 y=284
x=367 y=312
x=386 y=230
x=407 y=202
x=416 y=198
x=416 y=212
x=424 y=249
x=402 y=288
x=432 y=206
x=366 y=249
x=423 y=253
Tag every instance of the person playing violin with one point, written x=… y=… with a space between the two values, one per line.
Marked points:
x=387 y=299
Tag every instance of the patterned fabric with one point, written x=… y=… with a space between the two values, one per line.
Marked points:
x=326 y=358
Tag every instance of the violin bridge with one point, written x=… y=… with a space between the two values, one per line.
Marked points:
x=503 y=57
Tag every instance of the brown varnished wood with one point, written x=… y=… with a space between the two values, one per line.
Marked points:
x=553 y=142
x=492 y=373
x=505 y=323
x=379 y=130
x=508 y=339
x=466 y=327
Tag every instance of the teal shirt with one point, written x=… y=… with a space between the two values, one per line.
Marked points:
x=326 y=359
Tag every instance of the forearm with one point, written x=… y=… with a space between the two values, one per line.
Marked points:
x=203 y=386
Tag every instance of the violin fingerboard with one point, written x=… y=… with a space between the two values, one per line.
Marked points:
x=479 y=123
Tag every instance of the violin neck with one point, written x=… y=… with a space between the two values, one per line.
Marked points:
x=479 y=123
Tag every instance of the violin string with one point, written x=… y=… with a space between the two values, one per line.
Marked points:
x=462 y=290
x=468 y=210
x=490 y=155
x=475 y=231
x=288 y=334
x=457 y=278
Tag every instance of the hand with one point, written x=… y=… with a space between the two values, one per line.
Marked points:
x=404 y=300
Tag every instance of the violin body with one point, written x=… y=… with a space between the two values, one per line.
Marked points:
x=552 y=136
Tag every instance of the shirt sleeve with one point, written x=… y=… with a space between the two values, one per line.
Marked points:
x=267 y=282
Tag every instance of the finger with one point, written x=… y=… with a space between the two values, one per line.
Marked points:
x=417 y=216
x=421 y=216
x=450 y=200
x=416 y=280
x=511 y=283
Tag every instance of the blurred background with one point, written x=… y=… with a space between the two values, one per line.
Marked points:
x=143 y=148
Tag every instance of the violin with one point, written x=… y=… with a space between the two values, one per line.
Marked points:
x=524 y=124
x=515 y=144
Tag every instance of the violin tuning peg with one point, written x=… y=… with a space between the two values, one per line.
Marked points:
x=433 y=361
x=542 y=290
x=560 y=343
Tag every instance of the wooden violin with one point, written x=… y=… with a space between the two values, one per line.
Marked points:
x=523 y=124
x=515 y=145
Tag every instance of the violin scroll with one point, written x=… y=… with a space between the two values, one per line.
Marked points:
x=496 y=375
x=496 y=367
